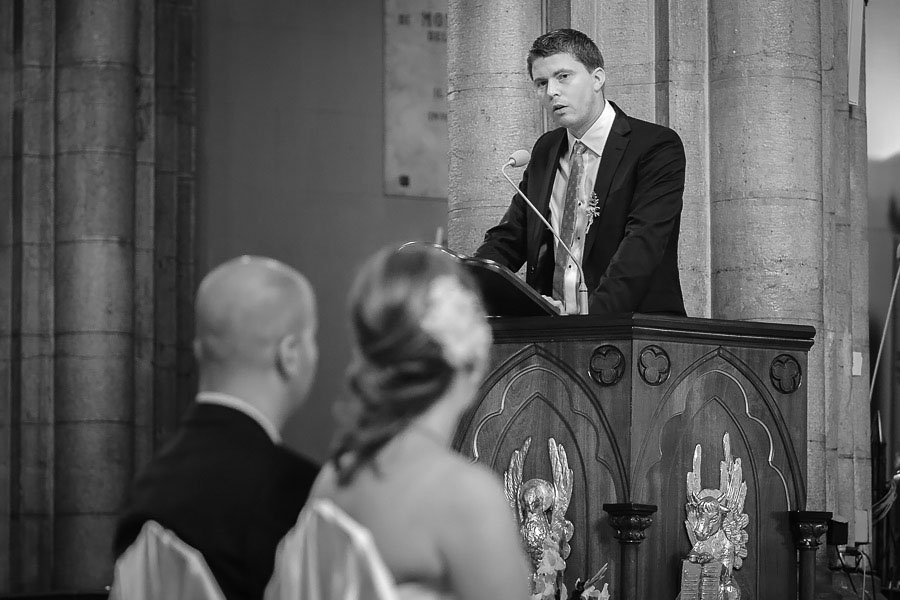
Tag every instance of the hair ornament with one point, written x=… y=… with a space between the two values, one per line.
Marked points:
x=455 y=320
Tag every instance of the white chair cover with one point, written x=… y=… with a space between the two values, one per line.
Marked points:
x=158 y=565
x=329 y=556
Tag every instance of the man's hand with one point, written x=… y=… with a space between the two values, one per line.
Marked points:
x=556 y=304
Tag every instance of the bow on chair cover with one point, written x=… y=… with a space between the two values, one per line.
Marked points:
x=159 y=565
x=329 y=556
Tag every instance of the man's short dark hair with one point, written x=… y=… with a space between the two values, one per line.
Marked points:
x=569 y=41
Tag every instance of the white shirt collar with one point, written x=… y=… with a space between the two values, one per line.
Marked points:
x=242 y=406
x=595 y=137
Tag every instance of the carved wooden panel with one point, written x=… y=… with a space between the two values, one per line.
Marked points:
x=720 y=393
x=786 y=373
x=535 y=392
x=607 y=365
x=654 y=365
x=629 y=398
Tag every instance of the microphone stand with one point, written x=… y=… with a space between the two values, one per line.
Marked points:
x=582 y=286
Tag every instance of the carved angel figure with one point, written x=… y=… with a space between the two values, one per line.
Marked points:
x=716 y=522
x=540 y=509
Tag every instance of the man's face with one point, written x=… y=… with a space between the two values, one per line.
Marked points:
x=571 y=95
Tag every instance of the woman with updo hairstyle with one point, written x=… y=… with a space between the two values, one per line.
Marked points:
x=428 y=522
x=418 y=323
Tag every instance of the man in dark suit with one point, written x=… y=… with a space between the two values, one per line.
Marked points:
x=224 y=484
x=609 y=184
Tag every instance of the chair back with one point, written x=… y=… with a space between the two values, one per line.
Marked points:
x=329 y=556
x=158 y=565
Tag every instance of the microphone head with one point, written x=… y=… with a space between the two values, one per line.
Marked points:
x=519 y=158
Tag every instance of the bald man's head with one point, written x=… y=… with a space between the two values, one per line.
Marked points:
x=254 y=314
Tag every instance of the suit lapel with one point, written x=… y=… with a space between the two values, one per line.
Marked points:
x=616 y=143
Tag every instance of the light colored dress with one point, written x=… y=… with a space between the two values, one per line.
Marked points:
x=329 y=556
x=159 y=565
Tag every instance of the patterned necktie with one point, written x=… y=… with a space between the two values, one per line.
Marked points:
x=567 y=225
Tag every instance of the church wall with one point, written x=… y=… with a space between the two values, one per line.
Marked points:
x=290 y=148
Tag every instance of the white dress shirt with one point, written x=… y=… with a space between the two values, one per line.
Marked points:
x=594 y=140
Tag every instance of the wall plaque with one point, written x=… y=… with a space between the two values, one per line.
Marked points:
x=415 y=104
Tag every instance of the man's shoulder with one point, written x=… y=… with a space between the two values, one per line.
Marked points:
x=652 y=130
x=292 y=462
x=646 y=129
x=203 y=458
x=198 y=478
x=224 y=441
x=217 y=433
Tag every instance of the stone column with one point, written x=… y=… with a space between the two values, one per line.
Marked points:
x=173 y=218
x=632 y=37
x=857 y=408
x=9 y=352
x=32 y=295
x=845 y=286
x=766 y=210
x=835 y=333
x=682 y=89
x=144 y=226
x=492 y=110
x=839 y=423
x=94 y=277
x=765 y=161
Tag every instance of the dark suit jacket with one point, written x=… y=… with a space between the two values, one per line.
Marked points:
x=224 y=488
x=630 y=258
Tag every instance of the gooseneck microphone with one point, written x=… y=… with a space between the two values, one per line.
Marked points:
x=520 y=158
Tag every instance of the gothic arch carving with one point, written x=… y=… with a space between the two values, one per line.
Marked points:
x=535 y=393
x=570 y=378
x=672 y=406
x=718 y=392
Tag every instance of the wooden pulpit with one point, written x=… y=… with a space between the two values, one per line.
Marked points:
x=629 y=397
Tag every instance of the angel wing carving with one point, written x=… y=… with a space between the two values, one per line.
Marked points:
x=734 y=489
x=562 y=483
x=693 y=495
x=512 y=479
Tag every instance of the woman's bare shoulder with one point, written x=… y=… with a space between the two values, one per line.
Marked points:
x=463 y=486
x=478 y=536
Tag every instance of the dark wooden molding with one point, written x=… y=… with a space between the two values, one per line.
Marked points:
x=654 y=327
x=807 y=526
x=629 y=520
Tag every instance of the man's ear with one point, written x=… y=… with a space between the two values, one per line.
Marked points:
x=599 y=76
x=288 y=355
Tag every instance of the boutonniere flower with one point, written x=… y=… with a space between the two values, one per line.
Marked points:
x=592 y=210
